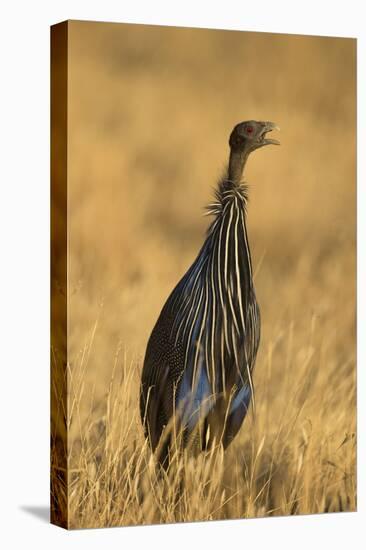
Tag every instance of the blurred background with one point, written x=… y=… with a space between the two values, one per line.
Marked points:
x=150 y=113
x=150 y=110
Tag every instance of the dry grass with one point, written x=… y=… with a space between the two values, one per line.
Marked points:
x=150 y=112
x=297 y=456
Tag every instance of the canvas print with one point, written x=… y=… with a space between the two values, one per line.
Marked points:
x=203 y=274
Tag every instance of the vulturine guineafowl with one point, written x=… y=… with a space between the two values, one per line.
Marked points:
x=197 y=372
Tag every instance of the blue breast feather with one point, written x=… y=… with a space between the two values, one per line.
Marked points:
x=195 y=403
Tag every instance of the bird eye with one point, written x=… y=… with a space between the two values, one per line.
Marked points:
x=249 y=129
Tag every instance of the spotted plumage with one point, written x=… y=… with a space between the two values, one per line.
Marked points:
x=197 y=373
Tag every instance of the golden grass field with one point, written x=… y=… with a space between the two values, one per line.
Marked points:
x=150 y=112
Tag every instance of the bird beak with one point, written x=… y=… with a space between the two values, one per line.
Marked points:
x=268 y=127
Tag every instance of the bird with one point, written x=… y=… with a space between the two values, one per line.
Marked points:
x=197 y=378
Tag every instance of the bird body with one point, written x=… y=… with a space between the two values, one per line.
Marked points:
x=197 y=372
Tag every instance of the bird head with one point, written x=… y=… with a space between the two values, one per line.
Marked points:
x=251 y=135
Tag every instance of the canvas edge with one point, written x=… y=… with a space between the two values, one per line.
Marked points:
x=58 y=352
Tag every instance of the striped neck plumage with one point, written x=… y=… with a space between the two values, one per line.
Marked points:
x=217 y=291
x=228 y=232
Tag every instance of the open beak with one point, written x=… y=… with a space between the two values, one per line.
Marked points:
x=268 y=127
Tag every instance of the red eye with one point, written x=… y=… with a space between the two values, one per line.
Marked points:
x=249 y=129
